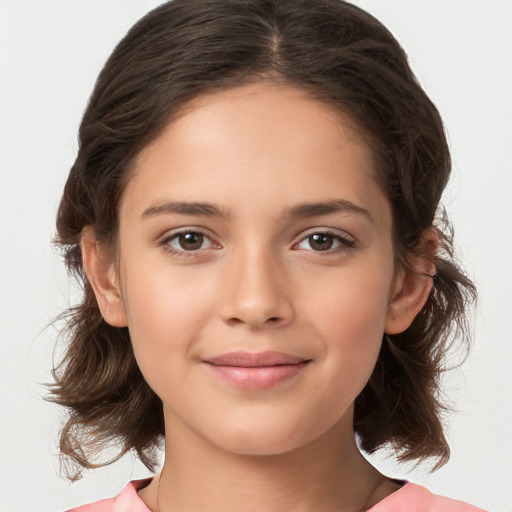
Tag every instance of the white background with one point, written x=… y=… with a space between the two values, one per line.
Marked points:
x=50 y=54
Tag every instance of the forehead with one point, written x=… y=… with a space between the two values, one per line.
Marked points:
x=265 y=112
x=262 y=144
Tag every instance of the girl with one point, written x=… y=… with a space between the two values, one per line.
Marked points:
x=267 y=287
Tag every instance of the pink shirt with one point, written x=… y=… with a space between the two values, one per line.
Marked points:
x=409 y=498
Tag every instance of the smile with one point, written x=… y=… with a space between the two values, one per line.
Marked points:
x=256 y=371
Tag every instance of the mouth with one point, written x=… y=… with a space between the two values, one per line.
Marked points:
x=256 y=371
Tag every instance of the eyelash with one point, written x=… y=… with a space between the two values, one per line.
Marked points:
x=345 y=243
x=183 y=253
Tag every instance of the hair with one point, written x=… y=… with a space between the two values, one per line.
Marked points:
x=340 y=55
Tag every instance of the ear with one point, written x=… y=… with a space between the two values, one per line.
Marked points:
x=412 y=286
x=101 y=273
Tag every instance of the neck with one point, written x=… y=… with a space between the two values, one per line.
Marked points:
x=327 y=474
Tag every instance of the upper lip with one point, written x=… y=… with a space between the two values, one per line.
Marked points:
x=254 y=359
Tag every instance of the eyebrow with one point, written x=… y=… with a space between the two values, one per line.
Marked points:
x=327 y=207
x=184 y=208
x=301 y=210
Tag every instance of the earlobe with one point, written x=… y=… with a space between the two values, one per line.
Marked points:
x=101 y=273
x=413 y=286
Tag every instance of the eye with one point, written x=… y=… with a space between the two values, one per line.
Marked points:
x=187 y=241
x=323 y=241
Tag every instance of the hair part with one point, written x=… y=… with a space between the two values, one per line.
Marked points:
x=341 y=56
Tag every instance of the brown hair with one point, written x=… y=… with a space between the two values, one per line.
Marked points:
x=339 y=54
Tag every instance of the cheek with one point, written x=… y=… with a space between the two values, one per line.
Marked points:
x=349 y=314
x=166 y=311
x=351 y=303
x=160 y=298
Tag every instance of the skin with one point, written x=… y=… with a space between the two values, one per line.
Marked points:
x=257 y=282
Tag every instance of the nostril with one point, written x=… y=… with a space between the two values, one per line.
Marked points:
x=257 y=311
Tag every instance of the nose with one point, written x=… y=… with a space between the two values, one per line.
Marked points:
x=255 y=292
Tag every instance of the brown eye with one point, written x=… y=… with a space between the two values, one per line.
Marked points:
x=190 y=241
x=326 y=241
x=320 y=241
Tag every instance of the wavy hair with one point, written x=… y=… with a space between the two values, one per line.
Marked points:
x=342 y=56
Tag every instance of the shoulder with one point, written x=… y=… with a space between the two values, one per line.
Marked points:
x=416 y=498
x=127 y=500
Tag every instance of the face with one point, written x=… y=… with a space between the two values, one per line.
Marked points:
x=256 y=269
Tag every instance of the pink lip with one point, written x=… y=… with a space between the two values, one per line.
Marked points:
x=261 y=370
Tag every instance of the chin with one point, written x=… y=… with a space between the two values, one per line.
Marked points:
x=264 y=439
x=261 y=447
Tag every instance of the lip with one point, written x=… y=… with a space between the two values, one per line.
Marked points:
x=261 y=370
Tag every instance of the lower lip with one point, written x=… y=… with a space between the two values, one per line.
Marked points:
x=259 y=377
